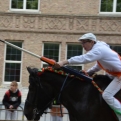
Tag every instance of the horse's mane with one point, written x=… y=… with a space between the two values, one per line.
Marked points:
x=101 y=80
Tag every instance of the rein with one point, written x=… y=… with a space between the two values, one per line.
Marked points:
x=58 y=95
x=40 y=72
x=63 y=73
x=38 y=112
x=67 y=75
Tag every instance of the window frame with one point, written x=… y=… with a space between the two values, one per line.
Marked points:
x=115 y=45
x=44 y=63
x=9 y=61
x=83 y=51
x=24 y=7
x=114 y=9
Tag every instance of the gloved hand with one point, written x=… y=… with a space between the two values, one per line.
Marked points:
x=60 y=64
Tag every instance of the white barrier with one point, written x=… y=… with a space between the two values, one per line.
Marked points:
x=21 y=117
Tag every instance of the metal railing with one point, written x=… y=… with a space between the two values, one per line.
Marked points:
x=20 y=113
x=50 y=112
x=45 y=117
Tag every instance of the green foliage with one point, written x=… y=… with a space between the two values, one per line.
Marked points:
x=30 y=4
x=106 y=5
x=17 y=4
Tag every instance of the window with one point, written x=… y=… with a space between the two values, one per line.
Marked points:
x=13 y=63
x=24 y=5
x=74 y=50
x=110 y=6
x=116 y=48
x=51 y=51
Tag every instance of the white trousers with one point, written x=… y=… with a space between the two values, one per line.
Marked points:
x=11 y=115
x=110 y=91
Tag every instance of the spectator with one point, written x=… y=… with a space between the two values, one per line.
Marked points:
x=11 y=101
x=56 y=112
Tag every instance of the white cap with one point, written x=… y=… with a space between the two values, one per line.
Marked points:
x=89 y=36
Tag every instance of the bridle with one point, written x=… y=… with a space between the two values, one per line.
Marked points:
x=37 y=74
x=35 y=103
x=36 y=110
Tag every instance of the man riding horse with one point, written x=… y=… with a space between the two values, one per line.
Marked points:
x=107 y=59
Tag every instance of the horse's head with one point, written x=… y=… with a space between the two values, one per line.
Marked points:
x=30 y=104
x=36 y=103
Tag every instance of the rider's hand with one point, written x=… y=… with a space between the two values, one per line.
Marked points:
x=60 y=64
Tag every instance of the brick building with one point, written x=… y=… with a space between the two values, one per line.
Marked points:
x=51 y=28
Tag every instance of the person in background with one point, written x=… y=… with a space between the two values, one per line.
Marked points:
x=56 y=111
x=11 y=101
x=107 y=59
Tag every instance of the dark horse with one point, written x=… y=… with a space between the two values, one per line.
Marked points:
x=81 y=98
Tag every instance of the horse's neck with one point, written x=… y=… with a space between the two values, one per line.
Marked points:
x=54 y=80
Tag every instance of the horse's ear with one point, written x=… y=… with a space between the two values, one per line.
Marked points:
x=29 y=69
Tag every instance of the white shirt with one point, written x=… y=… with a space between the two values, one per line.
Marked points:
x=100 y=52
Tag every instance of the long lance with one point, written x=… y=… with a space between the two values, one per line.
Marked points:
x=50 y=62
x=47 y=60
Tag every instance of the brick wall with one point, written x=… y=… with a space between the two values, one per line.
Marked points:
x=70 y=7
x=61 y=21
